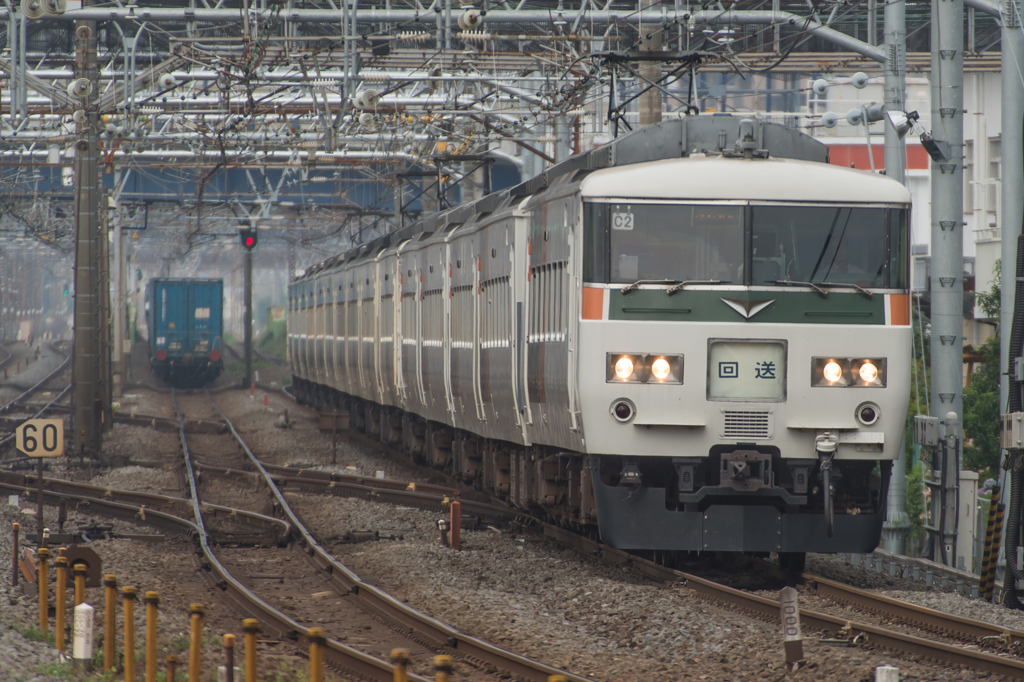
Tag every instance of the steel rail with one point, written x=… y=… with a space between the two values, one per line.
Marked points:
x=769 y=610
x=340 y=655
x=67 y=359
x=396 y=611
x=921 y=616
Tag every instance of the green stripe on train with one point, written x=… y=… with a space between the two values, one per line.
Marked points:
x=784 y=307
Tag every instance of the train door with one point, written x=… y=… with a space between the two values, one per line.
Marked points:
x=204 y=316
x=519 y=255
x=173 y=315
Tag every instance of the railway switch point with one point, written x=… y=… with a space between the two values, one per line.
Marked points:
x=400 y=657
x=129 y=593
x=442 y=668
x=81 y=654
x=109 y=619
x=61 y=565
x=152 y=600
x=250 y=626
x=43 y=582
x=317 y=640
x=195 y=651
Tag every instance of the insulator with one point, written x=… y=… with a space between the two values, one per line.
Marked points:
x=375 y=77
x=415 y=36
x=473 y=36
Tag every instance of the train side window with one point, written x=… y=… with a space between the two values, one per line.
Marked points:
x=595 y=243
x=899 y=257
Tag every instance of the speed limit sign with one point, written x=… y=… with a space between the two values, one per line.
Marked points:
x=41 y=437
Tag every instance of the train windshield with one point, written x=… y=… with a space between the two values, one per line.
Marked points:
x=757 y=245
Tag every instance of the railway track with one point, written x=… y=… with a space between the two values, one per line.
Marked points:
x=40 y=410
x=358 y=602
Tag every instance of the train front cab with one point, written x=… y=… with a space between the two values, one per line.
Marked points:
x=722 y=407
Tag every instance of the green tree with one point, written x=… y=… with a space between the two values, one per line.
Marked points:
x=981 y=398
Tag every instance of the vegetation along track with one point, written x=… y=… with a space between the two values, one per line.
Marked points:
x=355 y=604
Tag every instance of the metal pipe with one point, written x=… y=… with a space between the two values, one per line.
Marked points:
x=316 y=654
x=195 y=650
x=250 y=626
x=129 y=593
x=61 y=564
x=43 y=576
x=79 y=571
x=152 y=600
x=109 y=620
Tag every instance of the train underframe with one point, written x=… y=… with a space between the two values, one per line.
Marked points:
x=737 y=498
x=187 y=370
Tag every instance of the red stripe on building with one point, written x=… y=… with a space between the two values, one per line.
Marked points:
x=844 y=154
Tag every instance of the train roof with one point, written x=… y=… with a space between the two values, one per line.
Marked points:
x=721 y=135
x=701 y=177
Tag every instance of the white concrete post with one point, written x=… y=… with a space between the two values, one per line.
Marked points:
x=82 y=650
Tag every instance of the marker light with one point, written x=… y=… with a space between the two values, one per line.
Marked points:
x=661 y=368
x=868 y=372
x=623 y=367
x=832 y=371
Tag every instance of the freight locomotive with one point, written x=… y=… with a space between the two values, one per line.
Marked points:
x=184 y=319
x=696 y=337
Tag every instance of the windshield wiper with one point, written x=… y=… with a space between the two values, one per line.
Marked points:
x=682 y=285
x=869 y=294
x=788 y=283
x=636 y=285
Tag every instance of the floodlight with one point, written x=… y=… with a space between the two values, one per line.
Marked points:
x=902 y=122
x=937 y=149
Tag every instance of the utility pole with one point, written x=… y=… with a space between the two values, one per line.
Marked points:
x=946 y=283
x=650 y=101
x=247 y=316
x=897 y=524
x=87 y=394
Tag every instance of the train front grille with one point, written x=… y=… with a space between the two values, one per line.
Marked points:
x=746 y=424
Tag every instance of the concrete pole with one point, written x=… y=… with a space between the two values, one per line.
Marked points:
x=894 y=531
x=86 y=436
x=947 y=223
x=650 y=41
x=118 y=317
x=247 y=316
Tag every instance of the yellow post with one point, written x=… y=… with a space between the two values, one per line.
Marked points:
x=442 y=668
x=129 y=593
x=109 y=620
x=229 y=658
x=152 y=600
x=61 y=564
x=80 y=571
x=557 y=678
x=43 y=577
x=316 y=654
x=195 y=651
x=172 y=668
x=250 y=626
x=400 y=657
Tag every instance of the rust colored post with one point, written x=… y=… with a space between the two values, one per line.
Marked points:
x=152 y=600
x=61 y=565
x=15 y=527
x=400 y=657
x=195 y=651
x=316 y=654
x=172 y=668
x=229 y=658
x=266 y=400
x=43 y=576
x=442 y=668
x=456 y=531
x=109 y=620
x=250 y=626
x=80 y=572
x=129 y=593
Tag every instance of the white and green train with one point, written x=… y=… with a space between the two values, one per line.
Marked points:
x=696 y=337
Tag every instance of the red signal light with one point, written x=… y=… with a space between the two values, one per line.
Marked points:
x=249 y=241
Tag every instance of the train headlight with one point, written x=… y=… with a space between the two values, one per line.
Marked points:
x=625 y=368
x=644 y=369
x=832 y=371
x=868 y=372
x=863 y=372
x=664 y=369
